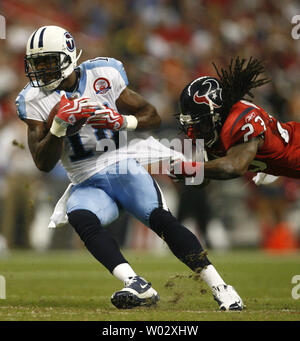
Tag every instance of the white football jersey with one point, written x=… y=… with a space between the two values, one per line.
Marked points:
x=102 y=80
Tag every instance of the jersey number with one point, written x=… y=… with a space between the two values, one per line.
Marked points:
x=283 y=132
x=251 y=129
x=80 y=153
x=78 y=149
x=259 y=166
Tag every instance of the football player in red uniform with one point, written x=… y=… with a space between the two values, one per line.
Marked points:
x=239 y=136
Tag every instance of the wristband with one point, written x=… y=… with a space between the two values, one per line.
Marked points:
x=131 y=122
x=58 y=129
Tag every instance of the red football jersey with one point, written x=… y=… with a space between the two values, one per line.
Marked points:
x=280 y=153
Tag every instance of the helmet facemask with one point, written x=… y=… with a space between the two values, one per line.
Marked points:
x=202 y=126
x=46 y=69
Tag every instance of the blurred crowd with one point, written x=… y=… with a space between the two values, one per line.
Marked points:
x=163 y=44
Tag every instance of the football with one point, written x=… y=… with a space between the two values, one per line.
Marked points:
x=72 y=130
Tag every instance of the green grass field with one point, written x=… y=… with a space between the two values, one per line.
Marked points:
x=71 y=285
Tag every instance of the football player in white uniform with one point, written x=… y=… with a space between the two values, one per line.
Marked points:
x=109 y=108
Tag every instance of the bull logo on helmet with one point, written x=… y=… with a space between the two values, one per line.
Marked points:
x=213 y=94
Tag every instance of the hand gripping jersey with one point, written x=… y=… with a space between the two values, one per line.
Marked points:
x=101 y=79
x=280 y=153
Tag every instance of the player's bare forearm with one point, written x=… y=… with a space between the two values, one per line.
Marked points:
x=48 y=152
x=220 y=169
x=234 y=164
x=45 y=148
x=147 y=118
x=131 y=103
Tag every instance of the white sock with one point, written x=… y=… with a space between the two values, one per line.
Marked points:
x=211 y=277
x=123 y=272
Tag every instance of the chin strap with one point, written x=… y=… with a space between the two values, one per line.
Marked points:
x=215 y=119
x=213 y=140
x=78 y=56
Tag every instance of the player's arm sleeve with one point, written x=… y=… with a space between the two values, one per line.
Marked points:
x=27 y=110
x=247 y=126
x=120 y=80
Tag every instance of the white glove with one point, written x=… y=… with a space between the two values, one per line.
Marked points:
x=264 y=179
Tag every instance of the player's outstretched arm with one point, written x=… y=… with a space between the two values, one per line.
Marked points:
x=45 y=147
x=132 y=103
x=235 y=163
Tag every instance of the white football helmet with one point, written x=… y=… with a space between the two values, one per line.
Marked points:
x=50 y=57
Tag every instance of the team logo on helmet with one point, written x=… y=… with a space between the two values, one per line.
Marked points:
x=70 y=42
x=213 y=94
x=101 y=86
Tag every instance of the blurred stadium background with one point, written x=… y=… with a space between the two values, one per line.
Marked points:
x=163 y=44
